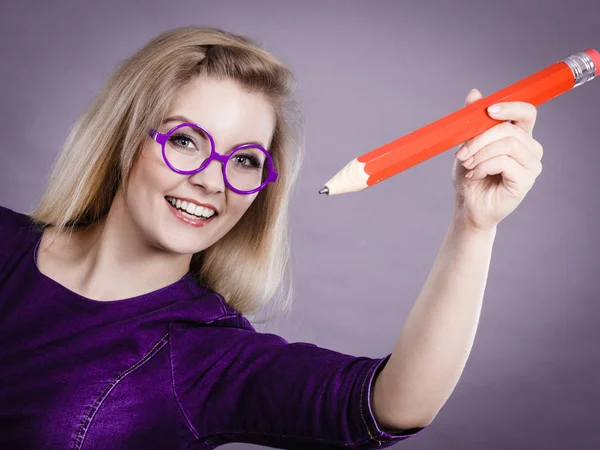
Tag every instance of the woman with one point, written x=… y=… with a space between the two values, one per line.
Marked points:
x=125 y=294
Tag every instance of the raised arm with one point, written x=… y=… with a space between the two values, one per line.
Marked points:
x=438 y=335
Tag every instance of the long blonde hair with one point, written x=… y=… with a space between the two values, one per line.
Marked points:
x=250 y=266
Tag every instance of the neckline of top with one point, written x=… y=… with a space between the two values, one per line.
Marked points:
x=186 y=284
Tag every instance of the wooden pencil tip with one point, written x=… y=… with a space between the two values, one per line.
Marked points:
x=325 y=190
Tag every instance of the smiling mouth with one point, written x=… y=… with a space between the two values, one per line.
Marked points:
x=190 y=210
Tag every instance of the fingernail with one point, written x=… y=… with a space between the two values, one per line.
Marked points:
x=469 y=175
x=494 y=109
x=467 y=164
x=462 y=152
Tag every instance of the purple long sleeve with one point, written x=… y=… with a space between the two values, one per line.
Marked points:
x=175 y=368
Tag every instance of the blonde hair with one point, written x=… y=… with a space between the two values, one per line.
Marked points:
x=250 y=266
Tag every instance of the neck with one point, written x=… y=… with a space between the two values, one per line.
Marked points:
x=112 y=260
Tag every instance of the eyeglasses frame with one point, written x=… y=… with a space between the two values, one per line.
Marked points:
x=162 y=138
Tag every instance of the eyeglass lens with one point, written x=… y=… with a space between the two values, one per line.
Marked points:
x=188 y=147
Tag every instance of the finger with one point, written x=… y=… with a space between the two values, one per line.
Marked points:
x=498 y=132
x=511 y=147
x=473 y=96
x=521 y=114
x=515 y=177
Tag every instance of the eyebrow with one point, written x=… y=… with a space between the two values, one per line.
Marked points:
x=184 y=119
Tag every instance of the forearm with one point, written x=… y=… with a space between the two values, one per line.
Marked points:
x=438 y=334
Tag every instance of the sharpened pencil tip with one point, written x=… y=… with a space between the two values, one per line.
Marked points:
x=325 y=190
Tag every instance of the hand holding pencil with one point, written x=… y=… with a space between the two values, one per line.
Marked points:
x=462 y=125
x=494 y=171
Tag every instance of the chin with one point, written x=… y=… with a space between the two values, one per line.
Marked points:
x=183 y=243
x=173 y=237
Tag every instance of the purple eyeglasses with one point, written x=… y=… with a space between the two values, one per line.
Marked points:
x=188 y=148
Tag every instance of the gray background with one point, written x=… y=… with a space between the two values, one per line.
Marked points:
x=370 y=72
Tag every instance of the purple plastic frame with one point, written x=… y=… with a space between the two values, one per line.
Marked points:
x=162 y=138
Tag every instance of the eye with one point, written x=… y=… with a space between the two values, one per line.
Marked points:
x=183 y=141
x=247 y=160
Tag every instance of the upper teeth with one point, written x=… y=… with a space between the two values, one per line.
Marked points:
x=191 y=208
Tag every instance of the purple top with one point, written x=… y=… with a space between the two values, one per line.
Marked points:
x=175 y=368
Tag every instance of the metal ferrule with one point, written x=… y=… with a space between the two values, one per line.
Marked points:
x=582 y=66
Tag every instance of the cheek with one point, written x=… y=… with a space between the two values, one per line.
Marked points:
x=238 y=204
x=148 y=183
x=149 y=175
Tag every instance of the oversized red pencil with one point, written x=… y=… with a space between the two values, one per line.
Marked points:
x=462 y=125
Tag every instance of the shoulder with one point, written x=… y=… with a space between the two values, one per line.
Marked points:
x=15 y=230
x=11 y=221
x=216 y=342
x=217 y=327
x=231 y=317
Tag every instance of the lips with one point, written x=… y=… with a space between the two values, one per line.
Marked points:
x=193 y=202
x=191 y=208
x=194 y=222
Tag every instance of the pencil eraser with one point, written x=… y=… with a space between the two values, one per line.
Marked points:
x=595 y=58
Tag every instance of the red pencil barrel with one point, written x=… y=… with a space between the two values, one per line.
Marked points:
x=463 y=124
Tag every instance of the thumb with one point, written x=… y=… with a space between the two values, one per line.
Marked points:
x=472 y=97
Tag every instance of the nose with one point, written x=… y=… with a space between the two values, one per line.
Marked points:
x=210 y=178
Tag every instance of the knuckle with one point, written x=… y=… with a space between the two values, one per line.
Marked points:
x=532 y=110
x=534 y=167
x=513 y=143
x=540 y=149
x=518 y=132
x=506 y=129
x=512 y=128
x=506 y=126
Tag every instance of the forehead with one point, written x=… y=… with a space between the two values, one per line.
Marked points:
x=226 y=109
